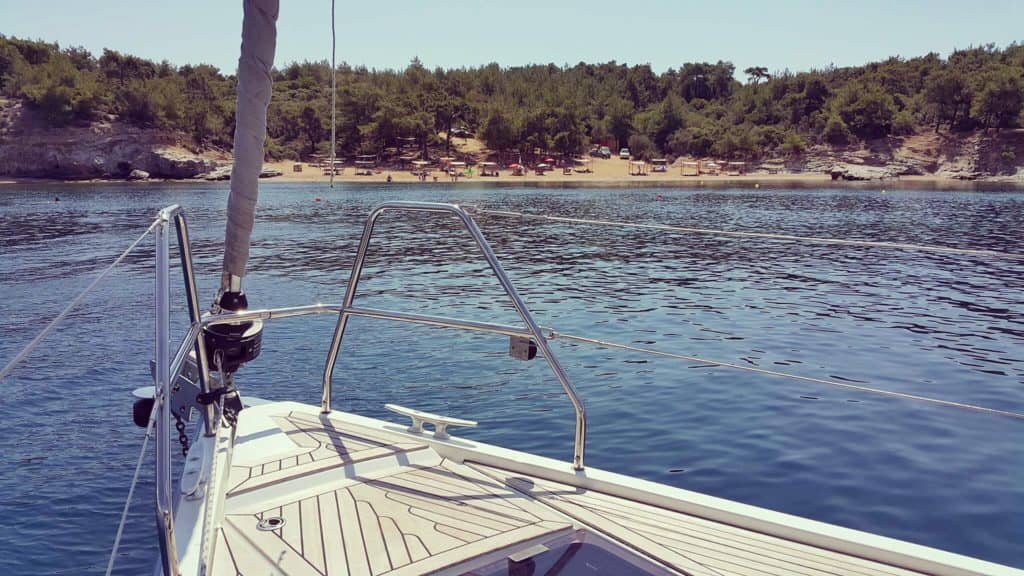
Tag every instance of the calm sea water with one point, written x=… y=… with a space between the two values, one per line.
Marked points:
x=938 y=325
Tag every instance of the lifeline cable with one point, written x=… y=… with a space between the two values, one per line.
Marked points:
x=131 y=490
x=764 y=235
x=67 y=310
x=948 y=403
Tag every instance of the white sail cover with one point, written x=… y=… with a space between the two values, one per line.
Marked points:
x=259 y=40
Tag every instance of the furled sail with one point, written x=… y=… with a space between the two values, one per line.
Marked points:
x=259 y=40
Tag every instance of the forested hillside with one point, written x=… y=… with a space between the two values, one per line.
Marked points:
x=697 y=109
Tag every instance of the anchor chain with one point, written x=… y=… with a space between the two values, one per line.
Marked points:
x=179 y=425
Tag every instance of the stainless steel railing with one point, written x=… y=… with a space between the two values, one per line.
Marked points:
x=194 y=314
x=168 y=368
x=532 y=329
x=348 y=309
x=167 y=371
x=162 y=298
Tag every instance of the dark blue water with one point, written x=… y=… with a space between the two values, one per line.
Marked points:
x=937 y=325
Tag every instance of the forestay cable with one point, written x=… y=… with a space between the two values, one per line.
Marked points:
x=762 y=235
x=67 y=310
x=857 y=387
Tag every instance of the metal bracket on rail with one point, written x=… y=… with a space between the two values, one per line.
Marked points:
x=184 y=390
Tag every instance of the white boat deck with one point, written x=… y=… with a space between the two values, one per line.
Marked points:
x=687 y=543
x=365 y=501
x=415 y=521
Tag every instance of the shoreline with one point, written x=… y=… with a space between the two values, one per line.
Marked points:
x=606 y=173
x=751 y=181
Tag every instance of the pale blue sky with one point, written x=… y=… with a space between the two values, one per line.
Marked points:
x=795 y=34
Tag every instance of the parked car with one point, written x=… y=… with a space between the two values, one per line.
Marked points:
x=604 y=152
x=624 y=154
x=461 y=133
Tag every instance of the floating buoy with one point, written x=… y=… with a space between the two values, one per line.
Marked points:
x=316 y=200
x=756 y=186
x=883 y=190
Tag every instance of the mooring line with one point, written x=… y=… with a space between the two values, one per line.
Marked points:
x=67 y=310
x=761 y=235
x=937 y=401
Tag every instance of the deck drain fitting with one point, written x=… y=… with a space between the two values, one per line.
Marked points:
x=270 y=523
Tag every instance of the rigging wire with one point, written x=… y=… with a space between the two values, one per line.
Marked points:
x=67 y=310
x=768 y=236
x=762 y=235
x=717 y=363
x=334 y=92
x=131 y=490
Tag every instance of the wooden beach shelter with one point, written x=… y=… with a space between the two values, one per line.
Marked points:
x=406 y=159
x=336 y=167
x=420 y=169
x=365 y=163
x=637 y=168
x=583 y=165
x=735 y=168
x=689 y=169
x=489 y=169
x=456 y=169
x=711 y=168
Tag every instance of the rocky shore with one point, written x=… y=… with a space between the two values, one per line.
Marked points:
x=107 y=149
x=977 y=156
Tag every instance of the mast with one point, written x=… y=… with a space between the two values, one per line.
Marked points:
x=259 y=40
x=334 y=91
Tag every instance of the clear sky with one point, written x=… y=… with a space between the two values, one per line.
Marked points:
x=794 y=34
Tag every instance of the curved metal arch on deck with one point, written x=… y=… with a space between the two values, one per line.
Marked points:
x=532 y=330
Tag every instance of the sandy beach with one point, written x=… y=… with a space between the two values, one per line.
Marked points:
x=611 y=172
x=606 y=173
x=603 y=171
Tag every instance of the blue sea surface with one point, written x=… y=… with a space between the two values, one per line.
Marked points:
x=938 y=325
